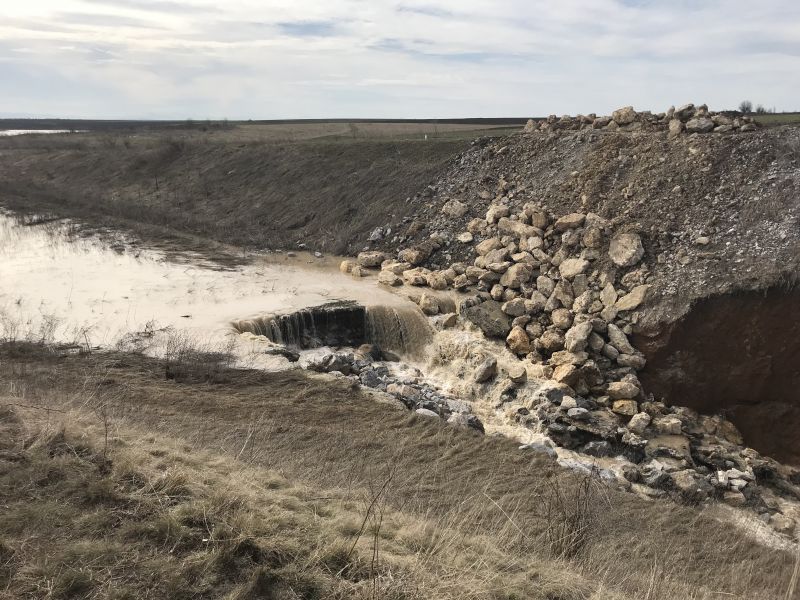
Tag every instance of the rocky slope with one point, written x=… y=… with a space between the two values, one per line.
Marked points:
x=585 y=251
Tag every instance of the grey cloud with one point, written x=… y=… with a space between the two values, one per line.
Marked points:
x=425 y=9
x=309 y=28
x=429 y=50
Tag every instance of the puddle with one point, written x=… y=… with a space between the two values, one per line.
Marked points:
x=57 y=284
x=10 y=132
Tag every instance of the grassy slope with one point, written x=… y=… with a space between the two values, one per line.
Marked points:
x=229 y=492
x=771 y=120
x=239 y=187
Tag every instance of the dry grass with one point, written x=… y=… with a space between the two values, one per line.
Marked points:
x=301 y=483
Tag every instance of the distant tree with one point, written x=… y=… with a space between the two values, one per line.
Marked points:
x=760 y=110
x=746 y=107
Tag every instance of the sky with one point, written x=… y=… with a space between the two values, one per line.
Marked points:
x=273 y=59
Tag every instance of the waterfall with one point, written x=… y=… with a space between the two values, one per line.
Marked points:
x=403 y=329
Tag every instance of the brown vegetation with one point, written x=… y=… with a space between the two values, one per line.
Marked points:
x=289 y=485
x=245 y=186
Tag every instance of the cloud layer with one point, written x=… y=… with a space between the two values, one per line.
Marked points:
x=392 y=58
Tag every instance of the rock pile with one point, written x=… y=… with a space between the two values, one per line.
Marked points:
x=564 y=293
x=685 y=119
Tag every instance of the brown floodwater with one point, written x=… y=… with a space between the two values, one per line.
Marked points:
x=57 y=284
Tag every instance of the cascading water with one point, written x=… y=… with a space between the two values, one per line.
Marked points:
x=401 y=329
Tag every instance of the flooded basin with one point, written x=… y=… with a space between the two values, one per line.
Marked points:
x=56 y=283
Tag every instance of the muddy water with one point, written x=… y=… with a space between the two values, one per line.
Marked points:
x=57 y=284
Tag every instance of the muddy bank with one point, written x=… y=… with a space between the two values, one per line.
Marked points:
x=737 y=355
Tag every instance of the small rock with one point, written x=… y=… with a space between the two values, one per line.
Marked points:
x=633 y=299
x=622 y=390
x=570 y=221
x=578 y=414
x=734 y=498
x=625 y=407
x=389 y=278
x=639 y=423
x=454 y=209
x=465 y=238
x=518 y=373
x=518 y=341
x=486 y=371
x=782 y=524
x=626 y=249
x=429 y=305
x=425 y=412
x=572 y=267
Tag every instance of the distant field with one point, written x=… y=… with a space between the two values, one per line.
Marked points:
x=365 y=131
x=779 y=119
x=284 y=131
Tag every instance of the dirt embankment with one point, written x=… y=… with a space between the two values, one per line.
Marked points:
x=325 y=194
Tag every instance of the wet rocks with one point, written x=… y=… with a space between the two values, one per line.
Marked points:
x=420 y=397
x=518 y=341
x=490 y=318
x=486 y=370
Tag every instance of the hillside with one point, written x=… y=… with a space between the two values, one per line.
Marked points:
x=119 y=483
x=243 y=186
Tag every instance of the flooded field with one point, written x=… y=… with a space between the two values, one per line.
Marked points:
x=61 y=285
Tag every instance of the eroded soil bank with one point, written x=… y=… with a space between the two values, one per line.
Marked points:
x=737 y=355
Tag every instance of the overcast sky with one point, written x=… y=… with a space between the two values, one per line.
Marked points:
x=265 y=59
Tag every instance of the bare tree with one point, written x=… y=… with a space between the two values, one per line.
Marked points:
x=746 y=107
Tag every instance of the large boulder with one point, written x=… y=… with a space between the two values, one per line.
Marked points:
x=518 y=341
x=619 y=340
x=624 y=116
x=685 y=112
x=517 y=275
x=489 y=317
x=486 y=370
x=570 y=221
x=496 y=212
x=573 y=267
x=576 y=338
x=626 y=249
x=371 y=259
x=632 y=300
x=700 y=125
